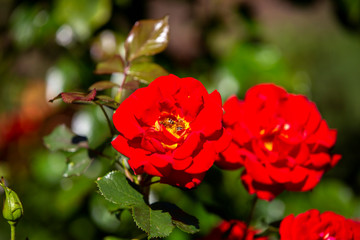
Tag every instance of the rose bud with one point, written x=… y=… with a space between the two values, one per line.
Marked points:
x=12 y=208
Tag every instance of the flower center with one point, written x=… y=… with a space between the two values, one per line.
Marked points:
x=326 y=236
x=177 y=126
x=269 y=135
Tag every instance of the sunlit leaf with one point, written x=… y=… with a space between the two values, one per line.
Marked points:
x=107 y=101
x=115 y=188
x=102 y=85
x=155 y=223
x=146 y=71
x=62 y=138
x=181 y=219
x=78 y=163
x=112 y=65
x=147 y=37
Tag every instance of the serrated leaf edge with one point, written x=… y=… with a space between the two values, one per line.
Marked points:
x=149 y=234
x=97 y=183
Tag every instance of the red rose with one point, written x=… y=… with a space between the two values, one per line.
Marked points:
x=279 y=138
x=171 y=129
x=312 y=225
x=232 y=230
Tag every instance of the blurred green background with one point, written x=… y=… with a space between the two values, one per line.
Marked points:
x=46 y=47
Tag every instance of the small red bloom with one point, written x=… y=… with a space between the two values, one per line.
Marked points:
x=171 y=129
x=232 y=230
x=280 y=139
x=312 y=225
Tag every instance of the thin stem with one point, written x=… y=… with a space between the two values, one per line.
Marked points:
x=107 y=120
x=145 y=186
x=251 y=214
x=12 y=226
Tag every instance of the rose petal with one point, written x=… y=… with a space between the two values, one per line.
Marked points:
x=286 y=227
x=188 y=147
x=209 y=118
x=262 y=191
x=335 y=159
x=296 y=102
x=233 y=157
x=233 y=111
x=320 y=160
x=203 y=160
x=323 y=136
x=125 y=121
x=313 y=121
x=279 y=175
x=312 y=180
x=257 y=171
x=223 y=142
x=298 y=175
x=190 y=97
x=121 y=145
x=181 y=164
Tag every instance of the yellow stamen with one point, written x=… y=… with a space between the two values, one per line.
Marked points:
x=268 y=145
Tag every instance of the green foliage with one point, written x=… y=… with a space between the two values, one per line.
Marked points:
x=77 y=163
x=62 y=138
x=157 y=220
x=112 y=65
x=154 y=222
x=115 y=188
x=146 y=71
x=181 y=219
x=147 y=37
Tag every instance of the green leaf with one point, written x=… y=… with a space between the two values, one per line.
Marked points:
x=146 y=71
x=147 y=37
x=78 y=163
x=102 y=85
x=62 y=138
x=155 y=223
x=76 y=97
x=112 y=65
x=107 y=101
x=115 y=188
x=181 y=219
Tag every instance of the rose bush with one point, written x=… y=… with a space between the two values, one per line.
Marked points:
x=280 y=139
x=232 y=230
x=312 y=225
x=172 y=129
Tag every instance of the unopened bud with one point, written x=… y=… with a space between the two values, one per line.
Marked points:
x=12 y=208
